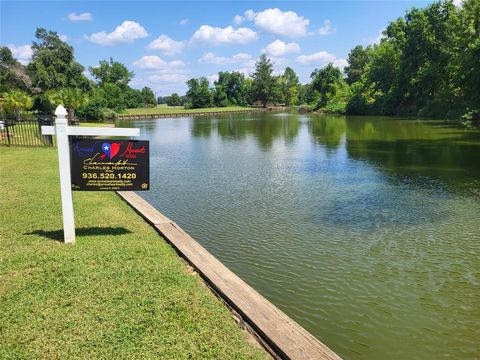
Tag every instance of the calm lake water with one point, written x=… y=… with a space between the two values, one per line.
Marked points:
x=365 y=230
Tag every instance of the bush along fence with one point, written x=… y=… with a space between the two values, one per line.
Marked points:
x=25 y=130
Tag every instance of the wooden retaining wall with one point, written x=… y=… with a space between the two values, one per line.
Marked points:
x=176 y=115
x=186 y=114
x=280 y=335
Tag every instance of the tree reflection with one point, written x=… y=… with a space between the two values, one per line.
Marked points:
x=264 y=127
x=412 y=148
x=327 y=130
x=396 y=146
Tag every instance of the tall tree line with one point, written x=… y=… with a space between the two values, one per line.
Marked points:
x=426 y=64
x=53 y=76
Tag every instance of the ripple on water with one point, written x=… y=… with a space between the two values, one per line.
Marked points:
x=377 y=258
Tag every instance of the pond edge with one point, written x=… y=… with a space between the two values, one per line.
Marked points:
x=281 y=336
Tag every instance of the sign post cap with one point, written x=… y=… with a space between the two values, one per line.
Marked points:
x=60 y=111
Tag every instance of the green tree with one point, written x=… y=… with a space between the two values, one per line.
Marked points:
x=148 y=97
x=290 y=87
x=71 y=98
x=15 y=101
x=324 y=84
x=53 y=64
x=304 y=93
x=230 y=89
x=13 y=75
x=112 y=72
x=277 y=95
x=381 y=78
x=174 y=100
x=133 y=98
x=220 y=96
x=358 y=59
x=112 y=96
x=465 y=68
x=199 y=93
x=92 y=110
x=263 y=80
x=339 y=98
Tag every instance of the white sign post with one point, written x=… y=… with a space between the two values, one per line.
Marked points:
x=63 y=131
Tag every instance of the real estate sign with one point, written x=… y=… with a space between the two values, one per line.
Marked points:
x=109 y=164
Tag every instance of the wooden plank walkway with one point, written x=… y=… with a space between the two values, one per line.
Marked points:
x=282 y=335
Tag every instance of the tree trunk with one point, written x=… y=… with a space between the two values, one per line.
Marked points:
x=71 y=114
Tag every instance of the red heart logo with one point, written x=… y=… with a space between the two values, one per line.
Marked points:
x=114 y=148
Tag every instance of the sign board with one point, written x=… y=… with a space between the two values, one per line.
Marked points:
x=133 y=153
x=109 y=164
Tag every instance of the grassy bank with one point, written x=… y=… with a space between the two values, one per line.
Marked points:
x=120 y=292
x=180 y=110
x=95 y=124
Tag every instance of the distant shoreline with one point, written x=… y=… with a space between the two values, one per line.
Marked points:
x=163 y=112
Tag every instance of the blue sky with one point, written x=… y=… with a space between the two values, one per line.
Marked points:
x=167 y=42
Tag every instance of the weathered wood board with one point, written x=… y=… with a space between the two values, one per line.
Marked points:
x=282 y=335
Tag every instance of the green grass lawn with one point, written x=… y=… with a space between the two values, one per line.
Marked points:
x=119 y=293
x=95 y=124
x=180 y=110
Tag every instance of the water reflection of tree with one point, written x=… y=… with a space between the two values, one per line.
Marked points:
x=203 y=127
x=265 y=128
x=408 y=148
x=327 y=130
x=397 y=147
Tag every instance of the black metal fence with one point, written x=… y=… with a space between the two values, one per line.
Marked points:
x=25 y=131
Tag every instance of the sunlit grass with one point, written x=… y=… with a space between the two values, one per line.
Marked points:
x=119 y=293
x=95 y=124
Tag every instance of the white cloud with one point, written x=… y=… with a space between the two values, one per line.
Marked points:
x=184 y=21
x=80 y=17
x=321 y=57
x=152 y=62
x=327 y=28
x=378 y=38
x=279 y=48
x=246 y=70
x=162 y=76
x=249 y=15
x=238 y=19
x=214 y=36
x=241 y=57
x=63 y=37
x=127 y=32
x=277 y=61
x=166 y=45
x=458 y=3
x=212 y=58
x=164 y=79
x=276 y=21
x=212 y=78
x=244 y=61
x=169 y=78
x=340 y=63
x=279 y=64
x=22 y=53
